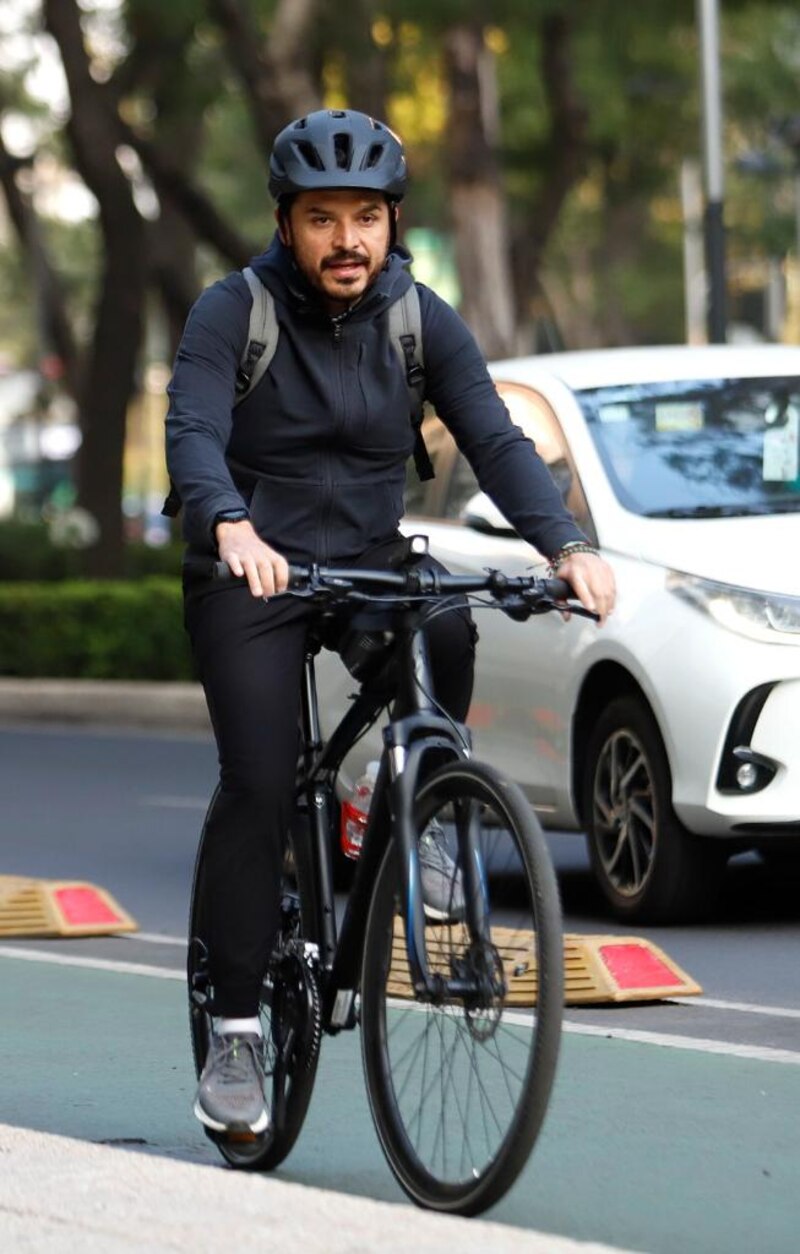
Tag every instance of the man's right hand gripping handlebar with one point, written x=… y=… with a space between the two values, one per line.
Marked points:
x=246 y=555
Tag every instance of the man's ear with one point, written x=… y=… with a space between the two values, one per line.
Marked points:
x=284 y=231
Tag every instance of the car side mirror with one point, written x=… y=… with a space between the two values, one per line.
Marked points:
x=481 y=514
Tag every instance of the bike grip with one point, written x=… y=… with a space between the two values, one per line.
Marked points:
x=558 y=589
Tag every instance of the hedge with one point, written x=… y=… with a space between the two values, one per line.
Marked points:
x=27 y=553
x=94 y=630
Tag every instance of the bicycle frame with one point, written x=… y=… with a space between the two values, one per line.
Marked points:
x=414 y=729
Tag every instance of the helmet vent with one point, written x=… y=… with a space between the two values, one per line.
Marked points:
x=343 y=150
x=308 y=153
x=373 y=157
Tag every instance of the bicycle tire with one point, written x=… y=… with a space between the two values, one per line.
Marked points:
x=400 y=1038
x=290 y=983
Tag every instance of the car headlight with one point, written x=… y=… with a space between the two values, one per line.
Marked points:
x=762 y=616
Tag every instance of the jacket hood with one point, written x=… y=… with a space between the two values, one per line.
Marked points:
x=278 y=271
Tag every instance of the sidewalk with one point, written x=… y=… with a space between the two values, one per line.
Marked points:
x=178 y=707
x=59 y=1195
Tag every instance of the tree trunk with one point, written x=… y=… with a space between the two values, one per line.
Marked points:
x=55 y=332
x=108 y=383
x=477 y=201
x=275 y=73
x=565 y=159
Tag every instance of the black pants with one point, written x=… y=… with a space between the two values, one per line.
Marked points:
x=249 y=656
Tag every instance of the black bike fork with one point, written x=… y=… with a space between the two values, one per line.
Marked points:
x=407 y=740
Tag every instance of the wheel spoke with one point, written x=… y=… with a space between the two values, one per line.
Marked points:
x=621 y=844
x=643 y=813
x=630 y=772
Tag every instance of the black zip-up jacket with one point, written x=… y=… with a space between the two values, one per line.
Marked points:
x=317 y=451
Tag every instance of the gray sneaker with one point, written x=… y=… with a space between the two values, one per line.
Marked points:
x=442 y=883
x=230 y=1095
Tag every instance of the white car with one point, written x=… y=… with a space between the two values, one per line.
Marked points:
x=671 y=736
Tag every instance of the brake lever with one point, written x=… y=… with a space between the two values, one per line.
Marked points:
x=545 y=605
x=569 y=607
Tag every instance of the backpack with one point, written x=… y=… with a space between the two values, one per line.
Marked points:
x=405 y=332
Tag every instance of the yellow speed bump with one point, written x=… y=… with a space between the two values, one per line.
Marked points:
x=31 y=907
x=597 y=969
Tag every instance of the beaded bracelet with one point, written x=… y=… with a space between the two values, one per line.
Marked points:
x=566 y=550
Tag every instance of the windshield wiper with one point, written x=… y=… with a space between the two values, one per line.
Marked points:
x=724 y=511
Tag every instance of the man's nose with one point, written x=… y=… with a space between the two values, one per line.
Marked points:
x=346 y=234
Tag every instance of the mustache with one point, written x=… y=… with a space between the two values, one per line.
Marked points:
x=342 y=258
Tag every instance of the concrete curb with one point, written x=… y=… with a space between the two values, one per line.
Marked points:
x=58 y=1195
x=114 y=703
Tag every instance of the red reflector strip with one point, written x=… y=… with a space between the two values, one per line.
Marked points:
x=635 y=966
x=84 y=906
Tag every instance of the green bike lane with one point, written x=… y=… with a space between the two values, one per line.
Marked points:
x=646 y=1148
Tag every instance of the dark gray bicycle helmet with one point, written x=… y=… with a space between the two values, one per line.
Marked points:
x=337 y=148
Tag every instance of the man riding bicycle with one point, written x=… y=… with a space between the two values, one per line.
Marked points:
x=312 y=469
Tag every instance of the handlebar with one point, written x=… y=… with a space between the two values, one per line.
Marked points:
x=523 y=594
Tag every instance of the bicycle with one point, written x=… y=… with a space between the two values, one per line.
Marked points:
x=461 y=1019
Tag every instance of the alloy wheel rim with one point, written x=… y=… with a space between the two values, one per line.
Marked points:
x=624 y=814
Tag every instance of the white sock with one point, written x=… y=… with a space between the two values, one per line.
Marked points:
x=237 y=1027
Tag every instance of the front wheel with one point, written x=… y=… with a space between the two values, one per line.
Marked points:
x=650 y=869
x=459 y=1087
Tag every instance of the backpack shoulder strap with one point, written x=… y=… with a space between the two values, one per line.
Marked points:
x=262 y=337
x=405 y=332
x=262 y=340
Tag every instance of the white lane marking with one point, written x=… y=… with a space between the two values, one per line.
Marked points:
x=176 y=803
x=743 y=1007
x=757 y=1053
x=93 y=964
x=761 y=1053
x=153 y=938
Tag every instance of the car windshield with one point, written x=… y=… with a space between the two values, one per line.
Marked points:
x=700 y=448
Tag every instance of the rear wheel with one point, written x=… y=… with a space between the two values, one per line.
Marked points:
x=650 y=869
x=459 y=1086
x=290 y=1014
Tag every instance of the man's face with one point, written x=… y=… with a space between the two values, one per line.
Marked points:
x=340 y=240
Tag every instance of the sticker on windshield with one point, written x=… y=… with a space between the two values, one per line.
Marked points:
x=679 y=416
x=782 y=449
x=615 y=413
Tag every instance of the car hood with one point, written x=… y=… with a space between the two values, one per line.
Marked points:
x=759 y=552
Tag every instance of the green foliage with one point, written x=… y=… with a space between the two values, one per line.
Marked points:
x=18 y=329
x=28 y=554
x=94 y=630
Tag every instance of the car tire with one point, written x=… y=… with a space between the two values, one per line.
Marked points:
x=648 y=866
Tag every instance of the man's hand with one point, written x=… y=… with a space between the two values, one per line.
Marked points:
x=247 y=554
x=592 y=581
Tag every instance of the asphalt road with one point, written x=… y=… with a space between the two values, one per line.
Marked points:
x=673 y=1125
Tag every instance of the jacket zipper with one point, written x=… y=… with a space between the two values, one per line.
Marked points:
x=338 y=335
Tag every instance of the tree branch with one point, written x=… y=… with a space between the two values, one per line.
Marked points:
x=170 y=181
x=274 y=72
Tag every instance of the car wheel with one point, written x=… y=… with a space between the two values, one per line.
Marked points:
x=648 y=866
